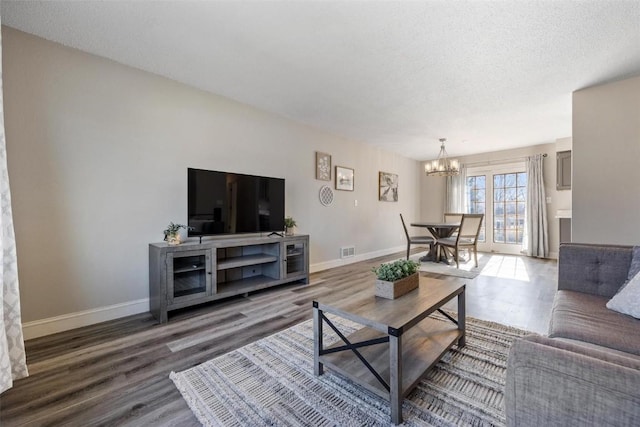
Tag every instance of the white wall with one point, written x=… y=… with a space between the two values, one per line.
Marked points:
x=432 y=208
x=98 y=155
x=606 y=152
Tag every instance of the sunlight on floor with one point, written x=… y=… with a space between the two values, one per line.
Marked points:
x=506 y=267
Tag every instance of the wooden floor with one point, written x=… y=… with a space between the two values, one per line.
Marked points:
x=117 y=373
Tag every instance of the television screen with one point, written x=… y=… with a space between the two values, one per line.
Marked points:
x=230 y=203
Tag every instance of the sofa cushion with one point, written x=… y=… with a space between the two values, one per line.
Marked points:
x=627 y=300
x=585 y=317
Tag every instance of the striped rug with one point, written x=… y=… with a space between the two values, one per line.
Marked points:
x=271 y=383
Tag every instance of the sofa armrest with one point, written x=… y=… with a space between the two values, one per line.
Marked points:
x=554 y=383
x=593 y=269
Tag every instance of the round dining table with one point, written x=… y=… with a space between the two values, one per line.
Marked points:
x=439 y=230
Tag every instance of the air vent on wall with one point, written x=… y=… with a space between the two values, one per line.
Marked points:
x=347 y=251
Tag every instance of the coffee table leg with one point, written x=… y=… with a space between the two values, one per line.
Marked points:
x=395 y=380
x=461 y=318
x=318 y=367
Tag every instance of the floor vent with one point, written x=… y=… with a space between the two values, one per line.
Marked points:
x=347 y=251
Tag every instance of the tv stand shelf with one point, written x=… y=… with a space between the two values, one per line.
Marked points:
x=237 y=287
x=242 y=261
x=186 y=269
x=195 y=273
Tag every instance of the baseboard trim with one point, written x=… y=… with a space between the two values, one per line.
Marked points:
x=321 y=266
x=65 y=322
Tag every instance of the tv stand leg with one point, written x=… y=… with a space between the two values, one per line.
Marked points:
x=276 y=233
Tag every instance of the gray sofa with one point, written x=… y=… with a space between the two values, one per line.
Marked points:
x=586 y=372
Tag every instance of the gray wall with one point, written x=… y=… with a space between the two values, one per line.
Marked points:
x=606 y=151
x=98 y=155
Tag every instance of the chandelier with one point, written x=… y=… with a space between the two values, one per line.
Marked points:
x=443 y=166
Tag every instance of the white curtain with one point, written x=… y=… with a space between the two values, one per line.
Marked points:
x=536 y=241
x=456 y=192
x=12 y=356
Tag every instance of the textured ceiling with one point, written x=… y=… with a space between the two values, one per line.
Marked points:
x=399 y=75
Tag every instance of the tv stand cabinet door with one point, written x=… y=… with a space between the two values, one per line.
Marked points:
x=189 y=276
x=295 y=257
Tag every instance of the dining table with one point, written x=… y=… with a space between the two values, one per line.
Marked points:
x=439 y=230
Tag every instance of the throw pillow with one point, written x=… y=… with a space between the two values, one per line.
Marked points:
x=634 y=268
x=627 y=300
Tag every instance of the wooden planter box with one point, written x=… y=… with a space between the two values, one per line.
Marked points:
x=393 y=290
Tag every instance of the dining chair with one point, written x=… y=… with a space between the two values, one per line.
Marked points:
x=452 y=217
x=416 y=240
x=467 y=237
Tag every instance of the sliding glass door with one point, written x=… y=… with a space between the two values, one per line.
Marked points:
x=499 y=192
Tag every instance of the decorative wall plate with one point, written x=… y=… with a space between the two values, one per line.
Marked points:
x=326 y=195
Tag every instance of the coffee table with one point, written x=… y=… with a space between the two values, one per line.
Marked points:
x=398 y=343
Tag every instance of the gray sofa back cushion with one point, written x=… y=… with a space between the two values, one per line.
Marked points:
x=634 y=268
x=599 y=272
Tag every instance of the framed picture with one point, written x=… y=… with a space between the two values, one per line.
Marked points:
x=388 y=187
x=323 y=166
x=344 y=178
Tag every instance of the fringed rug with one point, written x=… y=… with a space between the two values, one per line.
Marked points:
x=271 y=383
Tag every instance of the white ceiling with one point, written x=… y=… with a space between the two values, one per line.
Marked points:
x=487 y=75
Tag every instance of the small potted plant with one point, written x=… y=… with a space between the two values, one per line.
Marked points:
x=289 y=224
x=396 y=278
x=172 y=233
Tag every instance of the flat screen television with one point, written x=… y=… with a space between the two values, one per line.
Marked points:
x=233 y=203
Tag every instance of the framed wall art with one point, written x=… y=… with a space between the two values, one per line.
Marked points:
x=323 y=166
x=344 y=178
x=326 y=195
x=388 y=187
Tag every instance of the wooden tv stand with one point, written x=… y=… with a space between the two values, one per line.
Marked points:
x=194 y=273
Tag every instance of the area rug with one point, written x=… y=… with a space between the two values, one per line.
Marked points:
x=271 y=382
x=467 y=269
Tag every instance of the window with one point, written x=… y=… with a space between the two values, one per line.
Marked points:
x=476 y=200
x=499 y=192
x=509 y=205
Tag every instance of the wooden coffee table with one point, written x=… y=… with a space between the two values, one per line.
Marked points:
x=398 y=343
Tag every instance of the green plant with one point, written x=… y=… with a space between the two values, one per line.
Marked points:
x=396 y=270
x=289 y=222
x=172 y=229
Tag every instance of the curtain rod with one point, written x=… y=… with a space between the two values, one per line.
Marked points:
x=499 y=162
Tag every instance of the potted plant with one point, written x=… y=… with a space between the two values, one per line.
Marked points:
x=396 y=278
x=289 y=224
x=172 y=233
